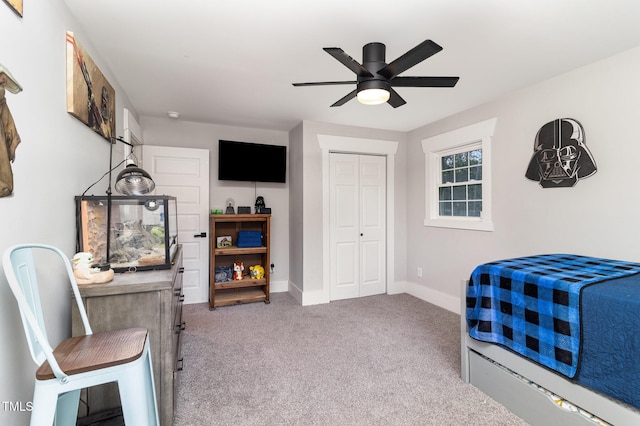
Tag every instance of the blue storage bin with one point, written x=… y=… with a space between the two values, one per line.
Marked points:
x=249 y=239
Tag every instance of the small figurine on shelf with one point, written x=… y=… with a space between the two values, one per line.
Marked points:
x=230 y=204
x=260 y=204
x=238 y=267
x=256 y=272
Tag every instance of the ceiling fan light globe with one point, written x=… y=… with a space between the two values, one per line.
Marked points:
x=373 y=96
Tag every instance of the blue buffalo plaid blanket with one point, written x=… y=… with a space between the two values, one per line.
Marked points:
x=531 y=304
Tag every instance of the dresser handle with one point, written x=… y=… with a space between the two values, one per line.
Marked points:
x=181 y=361
x=181 y=270
x=180 y=327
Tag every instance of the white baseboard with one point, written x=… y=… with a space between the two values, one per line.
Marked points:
x=314 y=298
x=446 y=301
x=295 y=292
x=396 y=287
x=443 y=300
x=306 y=298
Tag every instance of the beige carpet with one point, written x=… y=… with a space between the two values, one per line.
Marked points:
x=378 y=360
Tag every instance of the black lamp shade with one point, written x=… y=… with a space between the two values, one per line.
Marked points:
x=134 y=181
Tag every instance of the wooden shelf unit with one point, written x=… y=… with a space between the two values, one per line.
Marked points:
x=247 y=290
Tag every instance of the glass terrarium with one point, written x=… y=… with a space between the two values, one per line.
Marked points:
x=144 y=230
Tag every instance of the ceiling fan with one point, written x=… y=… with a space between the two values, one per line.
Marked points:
x=376 y=78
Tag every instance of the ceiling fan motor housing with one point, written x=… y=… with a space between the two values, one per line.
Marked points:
x=373 y=59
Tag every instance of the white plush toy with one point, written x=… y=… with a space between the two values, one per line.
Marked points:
x=85 y=274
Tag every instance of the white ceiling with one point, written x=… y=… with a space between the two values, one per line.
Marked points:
x=232 y=62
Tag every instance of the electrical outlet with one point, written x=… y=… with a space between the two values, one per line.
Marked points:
x=419 y=272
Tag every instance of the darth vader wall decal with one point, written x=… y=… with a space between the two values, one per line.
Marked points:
x=560 y=155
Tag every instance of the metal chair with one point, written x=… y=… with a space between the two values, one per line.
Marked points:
x=121 y=356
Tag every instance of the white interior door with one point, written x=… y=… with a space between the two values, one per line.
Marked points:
x=357 y=201
x=372 y=225
x=184 y=173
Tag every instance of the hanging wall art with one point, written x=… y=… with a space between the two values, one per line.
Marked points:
x=9 y=138
x=16 y=5
x=90 y=97
x=560 y=155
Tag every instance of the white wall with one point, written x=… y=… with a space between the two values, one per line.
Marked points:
x=169 y=132
x=296 y=211
x=59 y=157
x=597 y=217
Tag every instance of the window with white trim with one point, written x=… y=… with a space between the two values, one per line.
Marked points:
x=458 y=178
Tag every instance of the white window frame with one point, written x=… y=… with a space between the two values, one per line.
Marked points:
x=467 y=138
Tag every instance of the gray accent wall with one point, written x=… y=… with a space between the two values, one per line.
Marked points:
x=596 y=217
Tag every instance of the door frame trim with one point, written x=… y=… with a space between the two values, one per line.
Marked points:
x=350 y=145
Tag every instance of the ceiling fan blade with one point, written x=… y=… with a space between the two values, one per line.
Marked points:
x=414 y=56
x=345 y=99
x=424 y=81
x=395 y=100
x=348 y=61
x=324 y=83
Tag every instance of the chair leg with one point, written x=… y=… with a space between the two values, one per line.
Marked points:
x=152 y=402
x=137 y=394
x=45 y=400
x=67 y=408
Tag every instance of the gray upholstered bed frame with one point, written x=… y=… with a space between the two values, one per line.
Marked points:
x=533 y=392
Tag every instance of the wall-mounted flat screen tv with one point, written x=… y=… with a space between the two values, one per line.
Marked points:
x=253 y=162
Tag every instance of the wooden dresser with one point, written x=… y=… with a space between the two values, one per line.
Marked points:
x=151 y=299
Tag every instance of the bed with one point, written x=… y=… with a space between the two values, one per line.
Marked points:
x=554 y=338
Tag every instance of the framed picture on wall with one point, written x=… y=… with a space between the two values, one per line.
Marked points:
x=90 y=97
x=16 y=5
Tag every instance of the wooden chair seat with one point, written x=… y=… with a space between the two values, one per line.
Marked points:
x=96 y=351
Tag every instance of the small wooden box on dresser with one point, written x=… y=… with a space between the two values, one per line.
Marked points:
x=151 y=299
x=246 y=290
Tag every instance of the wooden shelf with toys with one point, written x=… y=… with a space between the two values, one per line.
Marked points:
x=239 y=274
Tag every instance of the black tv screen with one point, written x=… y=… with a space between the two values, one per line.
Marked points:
x=252 y=162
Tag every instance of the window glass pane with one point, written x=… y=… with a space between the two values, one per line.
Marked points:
x=461 y=199
x=475 y=208
x=462 y=159
x=445 y=193
x=475 y=192
x=447 y=162
x=459 y=208
x=460 y=192
x=462 y=175
x=445 y=209
x=475 y=157
x=475 y=173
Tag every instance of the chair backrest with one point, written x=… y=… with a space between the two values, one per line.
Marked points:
x=20 y=270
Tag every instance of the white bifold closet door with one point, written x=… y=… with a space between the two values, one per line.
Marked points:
x=357 y=220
